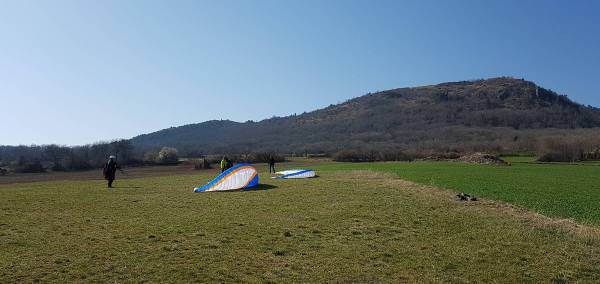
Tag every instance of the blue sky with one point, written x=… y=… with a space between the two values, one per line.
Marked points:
x=76 y=72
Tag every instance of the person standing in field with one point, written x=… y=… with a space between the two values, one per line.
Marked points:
x=110 y=170
x=228 y=164
x=223 y=164
x=272 y=164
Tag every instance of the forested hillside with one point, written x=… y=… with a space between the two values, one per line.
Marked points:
x=499 y=114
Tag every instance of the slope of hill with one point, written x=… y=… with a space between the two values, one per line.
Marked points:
x=468 y=115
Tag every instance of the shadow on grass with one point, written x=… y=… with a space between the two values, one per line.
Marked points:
x=260 y=187
x=126 y=187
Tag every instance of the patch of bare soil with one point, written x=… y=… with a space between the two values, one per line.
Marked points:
x=482 y=159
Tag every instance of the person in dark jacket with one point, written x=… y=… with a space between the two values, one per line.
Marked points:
x=272 y=164
x=228 y=163
x=110 y=169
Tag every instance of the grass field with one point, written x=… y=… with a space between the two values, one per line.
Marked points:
x=348 y=225
x=558 y=190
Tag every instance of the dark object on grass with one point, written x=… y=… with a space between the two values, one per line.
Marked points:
x=466 y=197
x=3 y=171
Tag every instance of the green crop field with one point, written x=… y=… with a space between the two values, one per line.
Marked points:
x=558 y=190
x=350 y=224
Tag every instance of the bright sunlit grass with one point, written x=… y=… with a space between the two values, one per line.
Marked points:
x=345 y=226
x=560 y=190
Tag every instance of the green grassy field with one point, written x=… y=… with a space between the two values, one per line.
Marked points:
x=558 y=190
x=344 y=226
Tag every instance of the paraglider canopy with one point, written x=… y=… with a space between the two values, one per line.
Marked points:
x=239 y=176
x=304 y=173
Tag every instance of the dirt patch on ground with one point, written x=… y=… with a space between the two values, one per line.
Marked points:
x=475 y=158
x=482 y=206
x=482 y=159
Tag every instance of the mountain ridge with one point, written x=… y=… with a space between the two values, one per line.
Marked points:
x=399 y=117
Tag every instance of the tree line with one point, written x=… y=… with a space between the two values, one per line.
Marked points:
x=548 y=145
x=38 y=158
x=500 y=115
x=41 y=158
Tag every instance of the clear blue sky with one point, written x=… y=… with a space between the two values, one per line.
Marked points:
x=75 y=72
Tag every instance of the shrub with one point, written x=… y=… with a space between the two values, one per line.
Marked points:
x=76 y=163
x=150 y=157
x=261 y=157
x=214 y=159
x=251 y=158
x=58 y=167
x=30 y=167
x=593 y=155
x=356 y=156
x=561 y=149
x=167 y=155
x=198 y=164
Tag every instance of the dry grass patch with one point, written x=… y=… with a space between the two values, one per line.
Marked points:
x=482 y=206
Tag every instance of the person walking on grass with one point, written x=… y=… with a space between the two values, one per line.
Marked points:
x=272 y=164
x=110 y=170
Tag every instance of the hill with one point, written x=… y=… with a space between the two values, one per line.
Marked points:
x=498 y=114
